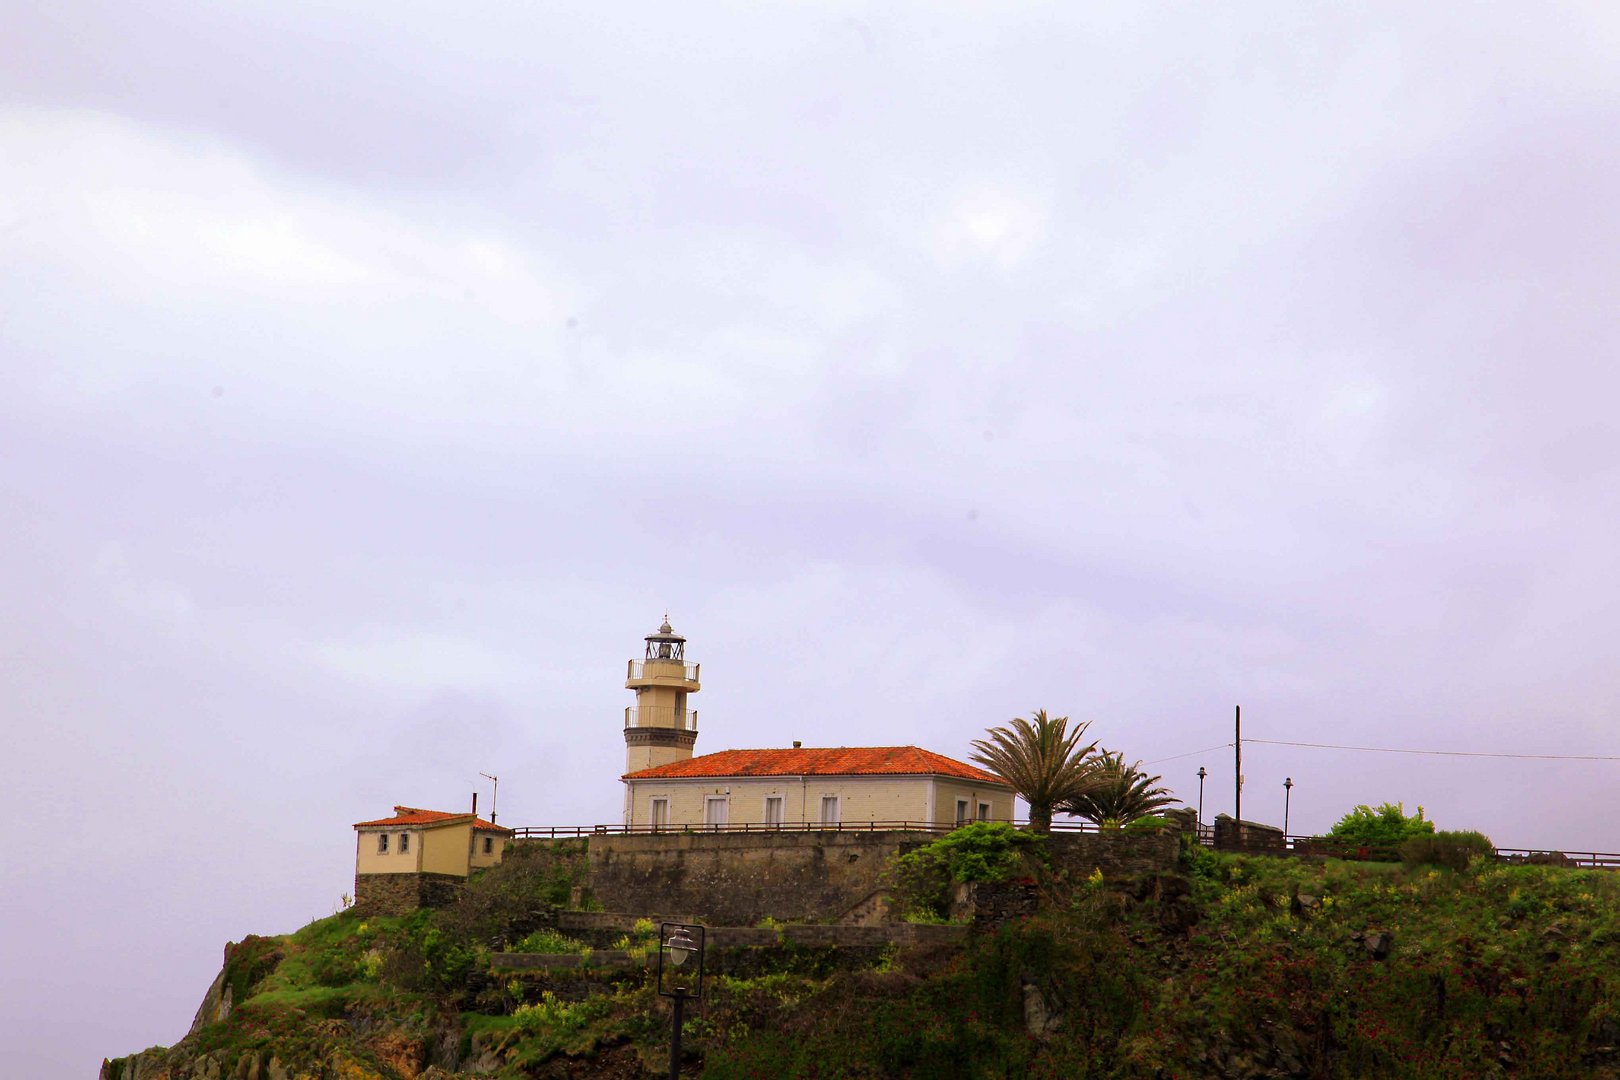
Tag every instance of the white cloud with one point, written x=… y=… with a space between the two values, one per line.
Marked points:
x=398 y=658
x=991 y=224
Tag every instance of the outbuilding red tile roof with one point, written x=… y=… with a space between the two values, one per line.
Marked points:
x=410 y=815
x=814 y=761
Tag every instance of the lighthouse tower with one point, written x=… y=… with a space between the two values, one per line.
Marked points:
x=659 y=728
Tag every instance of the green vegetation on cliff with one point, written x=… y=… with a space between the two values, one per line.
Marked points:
x=1238 y=967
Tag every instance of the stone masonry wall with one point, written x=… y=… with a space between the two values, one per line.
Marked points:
x=1233 y=835
x=396 y=894
x=1116 y=854
x=737 y=879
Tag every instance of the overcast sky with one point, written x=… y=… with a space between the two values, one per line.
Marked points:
x=375 y=376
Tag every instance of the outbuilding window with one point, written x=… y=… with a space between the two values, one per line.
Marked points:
x=984 y=811
x=404 y=842
x=382 y=843
x=489 y=845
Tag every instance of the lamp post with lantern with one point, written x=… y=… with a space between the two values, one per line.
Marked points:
x=1288 y=794
x=679 y=978
x=1201 y=774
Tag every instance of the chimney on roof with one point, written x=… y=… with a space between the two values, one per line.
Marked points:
x=475 y=804
x=797 y=744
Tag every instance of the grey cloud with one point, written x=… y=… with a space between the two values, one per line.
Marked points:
x=374 y=380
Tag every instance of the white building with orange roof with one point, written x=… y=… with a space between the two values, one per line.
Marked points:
x=419 y=858
x=831 y=786
x=666 y=787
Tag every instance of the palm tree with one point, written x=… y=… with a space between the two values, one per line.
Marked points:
x=1041 y=759
x=1122 y=793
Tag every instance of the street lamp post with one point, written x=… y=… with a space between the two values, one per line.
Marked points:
x=679 y=946
x=1201 y=775
x=1288 y=794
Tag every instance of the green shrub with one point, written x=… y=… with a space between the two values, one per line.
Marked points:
x=248 y=962
x=496 y=902
x=547 y=940
x=1381 y=831
x=552 y=1025
x=1454 y=850
x=1151 y=823
x=423 y=957
x=982 y=851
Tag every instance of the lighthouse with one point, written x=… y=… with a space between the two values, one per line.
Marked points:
x=659 y=728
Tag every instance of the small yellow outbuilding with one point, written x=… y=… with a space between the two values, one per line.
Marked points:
x=419 y=858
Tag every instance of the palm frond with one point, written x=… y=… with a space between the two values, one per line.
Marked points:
x=1042 y=759
x=1119 y=795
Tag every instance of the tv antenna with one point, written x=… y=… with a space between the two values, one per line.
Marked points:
x=493 y=795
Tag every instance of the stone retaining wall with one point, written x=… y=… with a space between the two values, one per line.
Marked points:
x=397 y=894
x=740 y=878
x=802 y=936
x=1231 y=835
x=1116 y=853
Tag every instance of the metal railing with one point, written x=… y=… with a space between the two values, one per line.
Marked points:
x=1582 y=860
x=558 y=831
x=1299 y=846
x=731 y=827
x=677 y=670
x=663 y=716
x=1328 y=847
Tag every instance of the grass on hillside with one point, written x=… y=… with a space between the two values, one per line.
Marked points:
x=1247 y=966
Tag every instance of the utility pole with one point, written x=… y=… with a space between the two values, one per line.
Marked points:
x=1237 y=743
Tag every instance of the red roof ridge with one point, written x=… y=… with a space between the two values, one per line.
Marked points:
x=820 y=761
x=411 y=815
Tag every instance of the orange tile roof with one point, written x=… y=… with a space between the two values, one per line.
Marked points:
x=812 y=761
x=410 y=815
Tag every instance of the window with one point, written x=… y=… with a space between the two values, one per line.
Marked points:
x=773 y=809
x=961 y=811
x=489 y=845
x=660 y=813
x=382 y=843
x=829 y=810
x=716 y=810
x=404 y=842
x=984 y=811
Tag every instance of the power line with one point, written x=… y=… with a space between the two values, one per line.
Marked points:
x=1431 y=753
x=1190 y=753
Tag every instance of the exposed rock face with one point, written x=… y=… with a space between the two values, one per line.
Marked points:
x=1041 y=1018
x=1377 y=942
x=146 y=1065
x=216 y=1004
